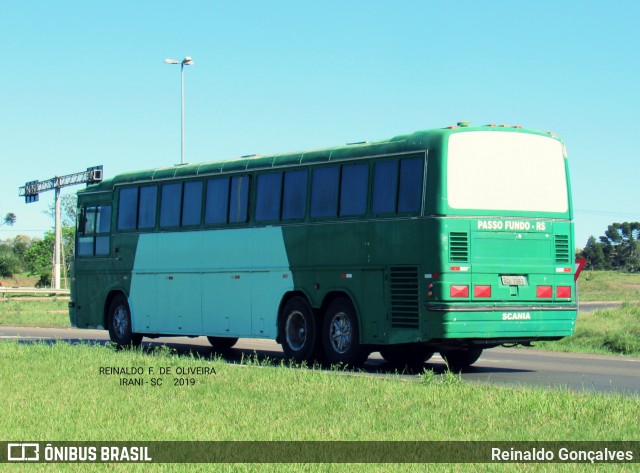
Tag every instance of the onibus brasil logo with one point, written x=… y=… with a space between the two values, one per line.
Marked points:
x=54 y=452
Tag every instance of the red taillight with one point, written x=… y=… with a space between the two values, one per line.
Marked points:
x=459 y=291
x=482 y=291
x=563 y=292
x=544 y=292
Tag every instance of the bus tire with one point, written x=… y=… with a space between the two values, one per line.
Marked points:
x=457 y=360
x=298 y=330
x=341 y=335
x=412 y=355
x=119 y=320
x=222 y=343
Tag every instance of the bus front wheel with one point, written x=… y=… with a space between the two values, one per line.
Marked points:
x=457 y=360
x=222 y=343
x=298 y=330
x=120 y=329
x=341 y=334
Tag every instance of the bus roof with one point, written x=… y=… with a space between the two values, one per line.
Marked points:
x=418 y=140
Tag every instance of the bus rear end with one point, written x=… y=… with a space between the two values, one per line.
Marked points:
x=506 y=271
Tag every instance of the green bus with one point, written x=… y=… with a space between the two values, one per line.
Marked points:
x=450 y=240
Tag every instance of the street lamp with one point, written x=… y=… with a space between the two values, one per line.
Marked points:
x=187 y=61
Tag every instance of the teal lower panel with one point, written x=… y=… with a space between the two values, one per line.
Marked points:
x=500 y=324
x=219 y=283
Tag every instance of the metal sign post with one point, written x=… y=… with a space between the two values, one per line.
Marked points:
x=31 y=191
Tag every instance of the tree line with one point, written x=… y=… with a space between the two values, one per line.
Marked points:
x=618 y=249
x=34 y=256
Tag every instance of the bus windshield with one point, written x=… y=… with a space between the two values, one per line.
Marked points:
x=506 y=171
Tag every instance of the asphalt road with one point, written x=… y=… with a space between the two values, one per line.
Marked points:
x=590 y=306
x=500 y=366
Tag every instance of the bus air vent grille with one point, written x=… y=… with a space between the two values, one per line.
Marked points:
x=458 y=247
x=405 y=297
x=562 y=249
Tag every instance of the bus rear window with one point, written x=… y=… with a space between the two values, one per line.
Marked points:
x=492 y=170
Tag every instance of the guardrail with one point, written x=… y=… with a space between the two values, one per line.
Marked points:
x=33 y=291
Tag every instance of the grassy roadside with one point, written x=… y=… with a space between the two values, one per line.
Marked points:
x=40 y=313
x=608 y=286
x=608 y=332
x=20 y=280
x=57 y=392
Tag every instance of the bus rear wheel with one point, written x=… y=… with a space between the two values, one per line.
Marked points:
x=341 y=334
x=412 y=355
x=222 y=343
x=298 y=331
x=458 y=360
x=119 y=322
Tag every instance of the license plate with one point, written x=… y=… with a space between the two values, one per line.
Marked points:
x=514 y=280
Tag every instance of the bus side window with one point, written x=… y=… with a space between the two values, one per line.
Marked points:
x=324 y=192
x=192 y=203
x=170 y=205
x=84 y=244
x=127 y=208
x=94 y=231
x=239 y=199
x=294 y=199
x=217 y=201
x=411 y=175
x=103 y=230
x=268 y=197
x=353 y=189
x=147 y=207
x=385 y=187
x=81 y=220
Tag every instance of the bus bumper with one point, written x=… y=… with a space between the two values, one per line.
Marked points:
x=500 y=322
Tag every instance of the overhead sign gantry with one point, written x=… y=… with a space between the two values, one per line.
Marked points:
x=31 y=191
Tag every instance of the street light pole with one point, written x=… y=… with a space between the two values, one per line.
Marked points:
x=187 y=61
x=57 y=241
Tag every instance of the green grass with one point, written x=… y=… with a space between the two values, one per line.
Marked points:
x=20 y=280
x=611 y=331
x=41 y=313
x=57 y=393
x=608 y=286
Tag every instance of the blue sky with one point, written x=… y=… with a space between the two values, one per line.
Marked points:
x=84 y=83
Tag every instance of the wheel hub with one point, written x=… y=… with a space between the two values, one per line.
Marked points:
x=296 y=330
x=120 y=322
x=341 y=332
